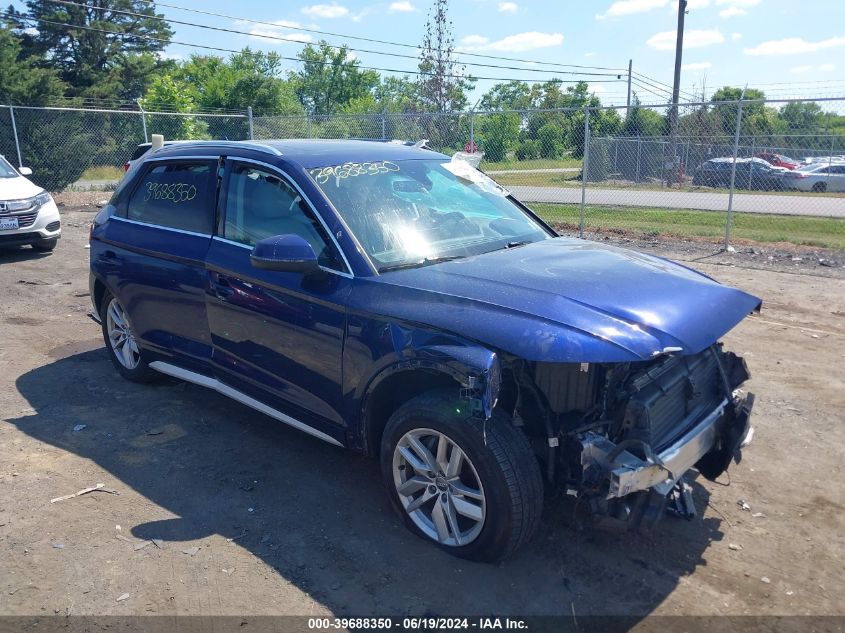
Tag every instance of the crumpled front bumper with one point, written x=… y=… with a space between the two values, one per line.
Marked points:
x=710 y=445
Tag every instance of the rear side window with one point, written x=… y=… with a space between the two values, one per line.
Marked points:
x=177 y=195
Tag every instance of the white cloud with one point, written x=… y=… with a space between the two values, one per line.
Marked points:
x=402 y=6
x=736 y=36
x=794 y=46
x=740 y=3
x=732 y=12
x=508 y=7
x=512 y=43
x=629 y=7
x=692 y=5
x=590 y=54
x=332 y=10
x=278 y=30
x=665 y=41
x=806 y=68
x=596 y=88
x=697 y=66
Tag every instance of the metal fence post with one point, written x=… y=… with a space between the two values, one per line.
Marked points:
x=751 y=167
x=733 y=173
x=383 y=127
x=143 y=121
x=584 y=169
x=472 y=131
x=639 y=142
x=249 y=121
x=309 y=124
x=15 y=133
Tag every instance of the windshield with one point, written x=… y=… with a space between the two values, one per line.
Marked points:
x=6 y=170
x=413 y=212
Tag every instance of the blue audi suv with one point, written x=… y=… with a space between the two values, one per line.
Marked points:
x=395 y=301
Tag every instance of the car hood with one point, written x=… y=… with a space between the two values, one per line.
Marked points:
x=564 y=300
x=17 y=188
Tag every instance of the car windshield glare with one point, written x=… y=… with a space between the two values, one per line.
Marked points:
x=6 y=170
x=419 y=211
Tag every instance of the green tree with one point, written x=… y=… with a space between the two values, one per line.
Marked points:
x=248 y=78
x=498 y=133
x=803 y=116
x=330 y=79
x=106 y=52
x=21 y=80
x=756 y=118
x=167 y=92
x=643 y=122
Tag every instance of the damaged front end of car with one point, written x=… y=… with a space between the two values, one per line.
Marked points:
x=619 y=437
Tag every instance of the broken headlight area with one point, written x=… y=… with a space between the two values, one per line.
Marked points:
x=620 y=437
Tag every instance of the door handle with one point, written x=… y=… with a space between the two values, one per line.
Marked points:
x=221 y=288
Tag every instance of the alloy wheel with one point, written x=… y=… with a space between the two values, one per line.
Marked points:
x=120 y=334
x=439 y=487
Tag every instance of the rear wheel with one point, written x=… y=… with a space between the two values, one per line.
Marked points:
x=124 y=351
x=820 y=187
x=472 y=487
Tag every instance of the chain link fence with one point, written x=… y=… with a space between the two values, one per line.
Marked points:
x=770 y=171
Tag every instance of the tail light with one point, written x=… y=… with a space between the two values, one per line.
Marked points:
x=126 y=166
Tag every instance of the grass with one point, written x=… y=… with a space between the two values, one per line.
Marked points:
x=537 y=163
x=102 y=172
x=757 y=227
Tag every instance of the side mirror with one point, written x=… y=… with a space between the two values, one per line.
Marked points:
x=284 y=253
x=24 y=171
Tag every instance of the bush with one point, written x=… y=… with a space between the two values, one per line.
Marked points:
x=498 y=133
x=550 y=138
x=528 y=149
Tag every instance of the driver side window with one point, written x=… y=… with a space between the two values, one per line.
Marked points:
x=260 y=203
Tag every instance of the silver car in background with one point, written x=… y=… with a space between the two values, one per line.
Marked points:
x=818 y=178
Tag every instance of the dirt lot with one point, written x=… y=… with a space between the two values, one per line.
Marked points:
x=257 y=518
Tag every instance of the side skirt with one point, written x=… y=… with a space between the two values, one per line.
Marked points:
x=234 y=394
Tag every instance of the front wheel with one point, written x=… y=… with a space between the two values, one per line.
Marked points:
x=45 y=246
x=471 y=486
x=126 y=356
x=820 y=187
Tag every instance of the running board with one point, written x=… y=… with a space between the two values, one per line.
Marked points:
x=234 y=394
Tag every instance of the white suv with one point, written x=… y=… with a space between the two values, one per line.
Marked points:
x=28 y=214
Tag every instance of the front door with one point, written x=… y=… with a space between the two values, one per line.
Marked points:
x=277 y=336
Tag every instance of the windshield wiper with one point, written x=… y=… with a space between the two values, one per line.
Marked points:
x=515 y=244
x=419 y=263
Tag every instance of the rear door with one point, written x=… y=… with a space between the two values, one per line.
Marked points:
x=154 y=255
x=278 y=336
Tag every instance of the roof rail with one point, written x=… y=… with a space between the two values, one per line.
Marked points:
x=261 y=147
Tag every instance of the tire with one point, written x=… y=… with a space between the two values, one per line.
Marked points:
x=45 y=246
x=495 y=453
x=820 y=187
x=138 y=371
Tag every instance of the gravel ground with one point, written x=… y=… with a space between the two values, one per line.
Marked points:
x=220 y=510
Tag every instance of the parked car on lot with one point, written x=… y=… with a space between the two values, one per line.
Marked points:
x=778 y=160
x=751 y=173
x=387 y=299
x=28 y=215
x=817 y=178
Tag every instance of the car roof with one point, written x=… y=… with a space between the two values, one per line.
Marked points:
x=311 y=153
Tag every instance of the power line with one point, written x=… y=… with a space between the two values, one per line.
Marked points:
x=376 y=41
x=294 y=59
x=360 y=50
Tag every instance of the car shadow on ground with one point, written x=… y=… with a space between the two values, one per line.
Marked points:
x=317 y=514
x=16 y=254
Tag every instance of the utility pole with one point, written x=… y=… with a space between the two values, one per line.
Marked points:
x=676 y=86
x=628 y=109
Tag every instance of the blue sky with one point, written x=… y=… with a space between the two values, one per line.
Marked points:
x=786 y=47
